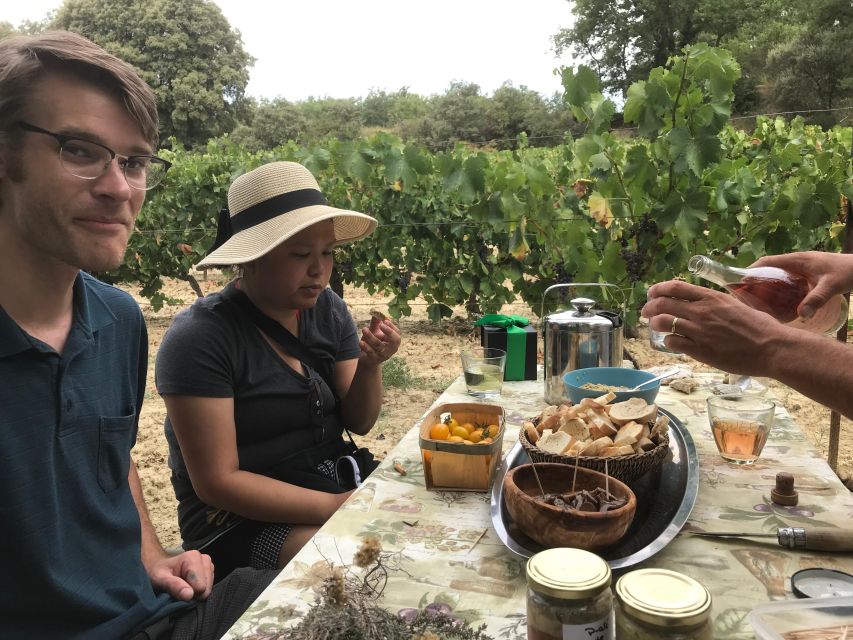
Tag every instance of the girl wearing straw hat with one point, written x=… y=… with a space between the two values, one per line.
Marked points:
x=260 y=380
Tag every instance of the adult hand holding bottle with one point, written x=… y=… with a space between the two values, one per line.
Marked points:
x=830 y=274
x=711 y=326
x=717 y=329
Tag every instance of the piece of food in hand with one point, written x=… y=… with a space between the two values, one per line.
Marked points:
x=376 y=313
x=633 y=409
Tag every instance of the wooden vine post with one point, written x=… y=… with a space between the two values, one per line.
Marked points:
x=835 y=417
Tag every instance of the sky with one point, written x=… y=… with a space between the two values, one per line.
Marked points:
x=345 y=48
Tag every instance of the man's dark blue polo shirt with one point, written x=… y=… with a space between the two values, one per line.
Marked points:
x=70 y=563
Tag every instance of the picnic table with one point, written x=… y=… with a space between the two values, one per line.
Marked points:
x=450 y=553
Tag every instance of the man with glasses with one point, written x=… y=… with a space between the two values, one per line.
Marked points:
x=80 y=558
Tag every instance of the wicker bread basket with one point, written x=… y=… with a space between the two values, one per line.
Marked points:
x=625 y=468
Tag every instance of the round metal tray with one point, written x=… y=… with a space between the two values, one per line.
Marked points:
x=665 y=499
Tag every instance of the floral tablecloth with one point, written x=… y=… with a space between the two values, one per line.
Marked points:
x=449 y=553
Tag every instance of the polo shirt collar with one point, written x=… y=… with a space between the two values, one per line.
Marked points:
x=91 y=313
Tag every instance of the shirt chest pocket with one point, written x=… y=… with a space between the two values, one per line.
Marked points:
x=114 y=442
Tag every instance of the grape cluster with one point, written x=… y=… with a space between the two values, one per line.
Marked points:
x=561 y=276
x=645 y=225
x=403 y=279
x=634 y=265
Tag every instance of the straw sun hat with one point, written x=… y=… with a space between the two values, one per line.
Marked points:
x=270 y=204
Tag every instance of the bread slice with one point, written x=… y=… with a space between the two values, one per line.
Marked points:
x=628 y=434
x=661 y=427
x=554 y=442
x=614 y=451
x=601 y=426
x=635 y=409
x=644 y=444
x=532 y=433
x=596 y=446
x=575 y=427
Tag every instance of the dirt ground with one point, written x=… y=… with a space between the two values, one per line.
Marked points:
x=431 y=353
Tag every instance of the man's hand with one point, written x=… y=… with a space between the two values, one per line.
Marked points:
x=829 y=273
x=713 y=327
x=187 y=576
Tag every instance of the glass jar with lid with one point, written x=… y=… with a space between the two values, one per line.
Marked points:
x=656 y=604
x=568 y=596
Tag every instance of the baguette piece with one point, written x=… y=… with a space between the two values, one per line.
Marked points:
x=633 y=409
x=644 y=444
x=554 y=442
x=601 y=426
x=596 y=446
x=628 y=434
x=531 y=431
x=575 y=427
x=612 y=452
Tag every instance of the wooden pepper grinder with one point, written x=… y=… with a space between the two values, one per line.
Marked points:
x=784 y=493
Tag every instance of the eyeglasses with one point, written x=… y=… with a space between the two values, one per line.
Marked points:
x=90 y=160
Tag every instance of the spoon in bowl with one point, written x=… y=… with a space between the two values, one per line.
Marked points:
x=665 y=374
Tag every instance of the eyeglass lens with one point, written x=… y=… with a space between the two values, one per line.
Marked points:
x=86 y=159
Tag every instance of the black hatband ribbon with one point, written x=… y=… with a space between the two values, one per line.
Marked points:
x=228 y=225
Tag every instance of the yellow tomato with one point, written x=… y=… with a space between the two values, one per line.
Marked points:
x=453 y=422
x=491 y=431
x=486 y=441
x=469 y=427
x=475 y=436
x=456 y=439
x=439 y=431
x=462 y=432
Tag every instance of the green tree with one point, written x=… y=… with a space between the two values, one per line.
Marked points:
x=331 y=117
x=812 y=69
x=185 y=49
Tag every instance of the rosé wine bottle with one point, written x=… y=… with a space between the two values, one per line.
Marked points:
x=774 y=291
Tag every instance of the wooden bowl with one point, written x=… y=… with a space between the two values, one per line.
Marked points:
x=552 y=526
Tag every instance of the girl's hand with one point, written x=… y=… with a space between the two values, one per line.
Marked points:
x=379 y=341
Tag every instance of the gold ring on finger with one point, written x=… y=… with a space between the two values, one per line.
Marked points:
x=674 y=322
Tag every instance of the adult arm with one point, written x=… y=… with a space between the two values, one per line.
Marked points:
x=206 y=433
x=359 y=380
x=830 y=274
x=717 y=329
x=185 y=576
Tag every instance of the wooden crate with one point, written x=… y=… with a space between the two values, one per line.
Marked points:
x=456 y=466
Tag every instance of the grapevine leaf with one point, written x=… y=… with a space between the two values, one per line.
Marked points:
x=600 y=162
x=693 y=215
x=579 y=86
x=599 y=209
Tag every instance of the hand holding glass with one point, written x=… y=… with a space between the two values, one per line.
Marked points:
x=484 y=371
x=740 y=425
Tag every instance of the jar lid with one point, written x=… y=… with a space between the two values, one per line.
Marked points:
x=569 y=574
x=664 y=598
x=584 y=319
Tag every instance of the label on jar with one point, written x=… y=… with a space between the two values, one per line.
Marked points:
x=598 y=630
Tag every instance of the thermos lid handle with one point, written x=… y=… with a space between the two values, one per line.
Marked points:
x=572 y=285
x=582 y=305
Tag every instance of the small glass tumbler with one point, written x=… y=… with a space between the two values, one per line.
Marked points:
x=657 y=343
x=740 y=425
x=484 y=371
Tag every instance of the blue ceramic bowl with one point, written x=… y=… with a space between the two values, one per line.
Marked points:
x=611 y=376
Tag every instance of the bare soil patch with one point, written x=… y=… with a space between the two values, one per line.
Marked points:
x=431 y=353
